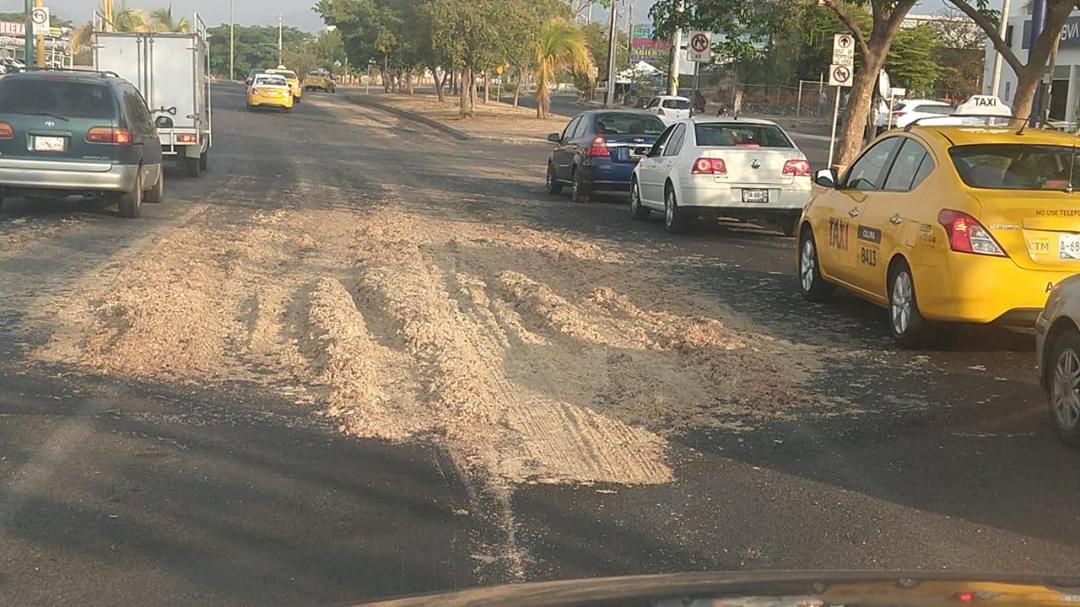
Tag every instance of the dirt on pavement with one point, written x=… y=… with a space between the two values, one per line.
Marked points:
x=534 y=356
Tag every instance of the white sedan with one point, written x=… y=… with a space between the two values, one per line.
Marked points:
x=669 y=108
x=730 y=167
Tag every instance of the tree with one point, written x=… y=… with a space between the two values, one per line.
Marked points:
x=1029 y=75
x=596 y=38
x=746 y=22
x=912 y=60
x=117 y=16
x=256 y=47
x=467 y=33
x=560 y=45
x=162 y=20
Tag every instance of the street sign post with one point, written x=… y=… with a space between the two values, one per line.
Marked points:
x=840 y=75
x=843 y=50
x=39 y=17
x=699 y=48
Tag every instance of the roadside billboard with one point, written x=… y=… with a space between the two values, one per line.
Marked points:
x=643 y=48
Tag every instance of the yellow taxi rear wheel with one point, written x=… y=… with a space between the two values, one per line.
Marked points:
x=906 y=322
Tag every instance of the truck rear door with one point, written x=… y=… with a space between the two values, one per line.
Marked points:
x=173 y=77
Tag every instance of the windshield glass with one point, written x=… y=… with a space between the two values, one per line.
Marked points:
x=731 y=134
x=629 y=124
x=63 y=98
x=454 y=309
x=1016 y=167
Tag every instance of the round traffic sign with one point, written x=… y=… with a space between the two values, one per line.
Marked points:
x=841 y=74
x=699 y=42
x=39 y=16
x=845 y=41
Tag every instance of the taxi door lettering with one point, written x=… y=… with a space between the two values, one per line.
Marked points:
x=838 y=233
x=869 y=239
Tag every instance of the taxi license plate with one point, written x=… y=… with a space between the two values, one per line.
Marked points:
x=48 y=144
x=755 y=195
x=1069 y=246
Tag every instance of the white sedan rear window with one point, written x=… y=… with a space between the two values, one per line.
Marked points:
x=730 y=134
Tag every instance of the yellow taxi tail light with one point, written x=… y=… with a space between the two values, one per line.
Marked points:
x=967 y=235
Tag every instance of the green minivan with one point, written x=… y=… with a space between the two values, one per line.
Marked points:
x=78 y=133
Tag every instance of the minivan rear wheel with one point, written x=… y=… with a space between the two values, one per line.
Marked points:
x=156 y=193
x=130 y=203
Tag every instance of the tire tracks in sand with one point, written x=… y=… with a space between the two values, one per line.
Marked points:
x=532 y=356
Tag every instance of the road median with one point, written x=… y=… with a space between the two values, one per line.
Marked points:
x=493 y=121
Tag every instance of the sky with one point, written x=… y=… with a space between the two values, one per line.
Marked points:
x=298 y=13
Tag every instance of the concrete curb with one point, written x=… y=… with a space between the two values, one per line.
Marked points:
x=458 y=134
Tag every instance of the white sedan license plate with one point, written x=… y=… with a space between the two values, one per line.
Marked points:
x=48 y=144
x=755 y=195
x=1069 y=246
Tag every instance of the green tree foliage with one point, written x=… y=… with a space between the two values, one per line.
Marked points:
x=162 y=20
x=747 y=26
x=912 y=61
x=256 y=47
x=469 y=37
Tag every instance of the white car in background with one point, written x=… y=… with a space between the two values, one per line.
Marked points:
x=670 y=108
x=907 y=111
x=729 y=167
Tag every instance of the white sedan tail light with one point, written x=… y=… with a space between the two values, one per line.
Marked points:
x=709 y=166
x=796 y=168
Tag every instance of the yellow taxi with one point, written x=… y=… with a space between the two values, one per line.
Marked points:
x=321 y=81
x=269 y=90
x=947 y=223
x=294 y=81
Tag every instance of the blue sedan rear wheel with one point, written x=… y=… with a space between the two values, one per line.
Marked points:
x=553 y=186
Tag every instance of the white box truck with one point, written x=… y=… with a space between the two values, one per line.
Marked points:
x=172 y=71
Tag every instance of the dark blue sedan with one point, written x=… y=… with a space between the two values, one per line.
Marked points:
x=598 y=150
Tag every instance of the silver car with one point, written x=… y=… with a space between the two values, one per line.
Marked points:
x=1057 y=339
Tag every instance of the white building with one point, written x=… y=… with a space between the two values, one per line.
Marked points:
x=1064 y=91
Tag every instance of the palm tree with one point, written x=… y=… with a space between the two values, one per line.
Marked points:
x=559 y=45
x=162 y=20
x=117 y=17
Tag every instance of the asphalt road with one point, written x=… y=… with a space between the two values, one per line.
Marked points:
x=114 y=491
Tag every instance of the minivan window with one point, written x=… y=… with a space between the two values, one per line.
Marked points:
x=69 y=99
x=1016 y=166
x=629 y=124
x=732 y=134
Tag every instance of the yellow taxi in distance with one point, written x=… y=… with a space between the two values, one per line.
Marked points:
x=321 y=81
x=269 y=90
x=292 y=78
x=947 y=223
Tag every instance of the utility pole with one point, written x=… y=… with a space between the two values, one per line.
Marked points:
x=28 y=49
x=629 y=30
x=39 y=40
x=232 y=41
x=676 y=48
x=279 y=56
x=613 y=30
x=995 y=80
